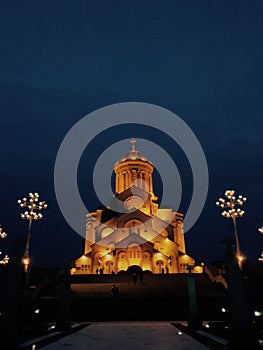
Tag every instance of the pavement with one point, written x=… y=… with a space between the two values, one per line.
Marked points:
x=128 y=336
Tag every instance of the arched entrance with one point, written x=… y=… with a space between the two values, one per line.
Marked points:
x=134 y=269
x=109 y=267
x=160 y=266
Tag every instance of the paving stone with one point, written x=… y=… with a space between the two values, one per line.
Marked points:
x=128 y=336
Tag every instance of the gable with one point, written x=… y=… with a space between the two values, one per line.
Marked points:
x=133 y=191
x=116 y=236
x=132 y=215
x=132 y=240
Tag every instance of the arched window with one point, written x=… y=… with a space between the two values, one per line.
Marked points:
x=133 y=223
x=106 y=231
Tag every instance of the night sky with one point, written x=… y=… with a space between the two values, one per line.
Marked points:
x=61 y=60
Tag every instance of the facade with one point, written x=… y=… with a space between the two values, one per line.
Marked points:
x=133 y=231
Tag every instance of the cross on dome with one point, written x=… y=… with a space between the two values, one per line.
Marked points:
x=133 y=154
x=133 y=144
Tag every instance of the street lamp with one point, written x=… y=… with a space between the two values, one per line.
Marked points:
x=5 y=259
x=33 y=206
x=229 y=204
x=261 y=231
x=2 y=234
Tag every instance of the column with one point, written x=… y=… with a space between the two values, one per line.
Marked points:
x=130 y=179
x=117 y=183
x=150 y=184
x=140 y=179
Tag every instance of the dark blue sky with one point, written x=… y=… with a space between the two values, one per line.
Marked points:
x=61 y=60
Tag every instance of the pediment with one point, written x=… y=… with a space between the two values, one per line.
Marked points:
x=133 y=240
x=133 y=191
x=135 y=214
x=114 y=237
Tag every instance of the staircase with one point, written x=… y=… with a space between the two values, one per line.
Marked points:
x=158 y=297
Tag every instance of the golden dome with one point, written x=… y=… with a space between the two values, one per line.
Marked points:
x=133 y=154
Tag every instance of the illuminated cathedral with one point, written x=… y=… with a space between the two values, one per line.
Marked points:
x=133 y=232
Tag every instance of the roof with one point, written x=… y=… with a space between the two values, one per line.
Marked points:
x=133 y=154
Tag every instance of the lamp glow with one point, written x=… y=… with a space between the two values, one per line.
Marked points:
x=231 y=212
x=32 y=213
x=5 y=259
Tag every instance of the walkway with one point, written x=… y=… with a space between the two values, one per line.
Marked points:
x=128 y=336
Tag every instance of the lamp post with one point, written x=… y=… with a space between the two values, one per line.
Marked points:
x=32 y=212
x=231 y=212
x=5 y=259
x=260 y=230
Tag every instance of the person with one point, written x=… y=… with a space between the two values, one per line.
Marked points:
x=114 y=293
x=134 y=278
x=97 y=270
x=162 y=270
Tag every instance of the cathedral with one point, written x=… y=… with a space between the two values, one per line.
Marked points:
x=133 y=232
